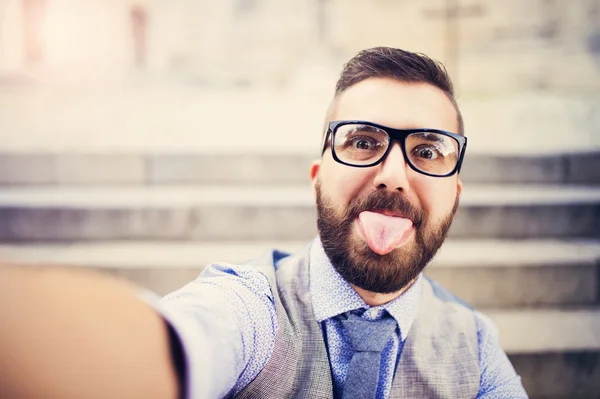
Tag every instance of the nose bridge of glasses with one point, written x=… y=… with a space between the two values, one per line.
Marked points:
x=392 y=172
x=397 y=141
x=395 y=155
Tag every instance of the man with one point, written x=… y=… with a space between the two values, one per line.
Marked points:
x=386 y=189
x=351 y=315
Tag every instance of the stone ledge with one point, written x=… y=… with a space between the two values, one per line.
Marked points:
x=484 y=273
x=189 y=168
x=255 y=213
x=559 y=375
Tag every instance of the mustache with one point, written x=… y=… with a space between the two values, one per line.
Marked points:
x=381 y=201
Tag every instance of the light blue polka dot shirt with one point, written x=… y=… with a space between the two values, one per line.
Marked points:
x=332 y=296
x=226 y=323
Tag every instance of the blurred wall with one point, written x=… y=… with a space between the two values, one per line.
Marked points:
x=487 y=45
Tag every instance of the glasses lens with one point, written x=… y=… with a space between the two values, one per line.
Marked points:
x=433 y=153
x=358 y=144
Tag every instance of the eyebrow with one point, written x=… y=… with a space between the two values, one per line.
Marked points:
x=365 y=127
x=433 y=137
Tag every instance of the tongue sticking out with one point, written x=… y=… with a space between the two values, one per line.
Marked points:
x=383 y=233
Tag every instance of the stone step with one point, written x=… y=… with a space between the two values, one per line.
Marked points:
x=484 y=273
x=266 y=168
x=556 y=352
x=213 y=213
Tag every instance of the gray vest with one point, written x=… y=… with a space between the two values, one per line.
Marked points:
x=440 y=357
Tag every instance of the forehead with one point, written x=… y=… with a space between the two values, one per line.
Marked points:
x=397 y=104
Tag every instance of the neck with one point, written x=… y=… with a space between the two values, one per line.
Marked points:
x=377 y=299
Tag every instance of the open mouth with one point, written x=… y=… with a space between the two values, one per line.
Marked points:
x=396 y=214
x=384 y=231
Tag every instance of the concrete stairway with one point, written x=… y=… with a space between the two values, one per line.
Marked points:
x=524 y=248
x=151 y=177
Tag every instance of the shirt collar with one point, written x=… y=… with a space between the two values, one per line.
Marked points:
x=332 y=295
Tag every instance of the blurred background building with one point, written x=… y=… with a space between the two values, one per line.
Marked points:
x=148 y=138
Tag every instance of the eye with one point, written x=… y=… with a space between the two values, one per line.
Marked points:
x=426 y=152
x=361 y=143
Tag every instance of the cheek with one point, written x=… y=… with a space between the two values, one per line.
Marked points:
x=344 y=183
x=438 y=197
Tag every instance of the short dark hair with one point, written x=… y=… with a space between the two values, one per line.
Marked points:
x=394 y=63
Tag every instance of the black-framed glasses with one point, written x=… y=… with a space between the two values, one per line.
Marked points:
x=362 y=144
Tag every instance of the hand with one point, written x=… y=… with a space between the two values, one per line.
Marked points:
x=68 y=333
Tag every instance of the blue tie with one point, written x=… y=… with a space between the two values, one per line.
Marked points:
x=368 y=339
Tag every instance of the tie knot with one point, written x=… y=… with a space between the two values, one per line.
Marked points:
x=367 y=335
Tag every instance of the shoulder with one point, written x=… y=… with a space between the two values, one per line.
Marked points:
x=442 y=294
x=447 y=311
x=485 y=327
x=235 y=297
x=229 y=310
x=497 y=375
x=229 y=276
x=250 y=277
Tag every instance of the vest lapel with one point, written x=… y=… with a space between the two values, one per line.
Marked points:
x=299 y=366
x=440 y=358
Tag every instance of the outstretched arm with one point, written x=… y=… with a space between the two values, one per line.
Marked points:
x=67 y=333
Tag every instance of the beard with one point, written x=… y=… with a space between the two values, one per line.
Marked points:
x=360 y=266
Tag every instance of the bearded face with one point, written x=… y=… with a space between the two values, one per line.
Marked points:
x=352 y=257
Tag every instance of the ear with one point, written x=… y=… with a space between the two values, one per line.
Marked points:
x=314 y=171
x=459 y=186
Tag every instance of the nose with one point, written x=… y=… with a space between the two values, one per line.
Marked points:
x=392 y=173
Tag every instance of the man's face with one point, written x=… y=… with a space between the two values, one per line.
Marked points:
x=357 y=204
